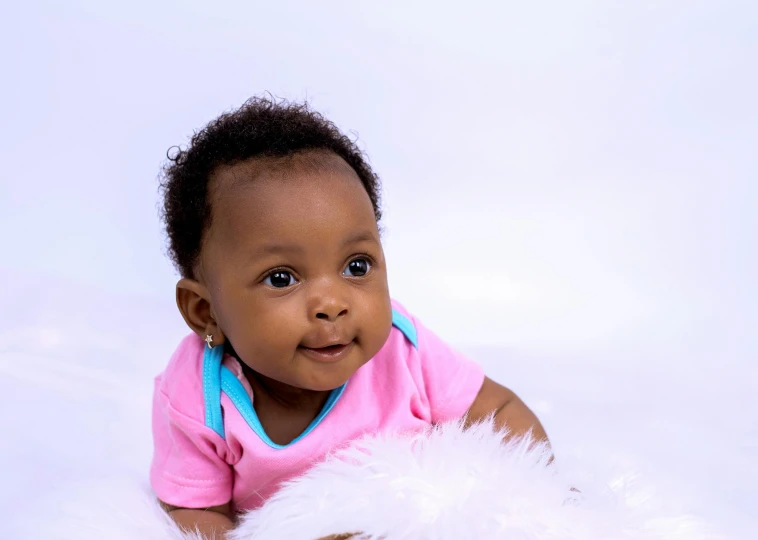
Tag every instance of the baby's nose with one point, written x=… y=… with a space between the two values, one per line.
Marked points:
x=331 y=312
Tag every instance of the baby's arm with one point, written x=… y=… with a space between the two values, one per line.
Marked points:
x=510 y=412
x=191 y=473
x=449 y=381
x=212 y=523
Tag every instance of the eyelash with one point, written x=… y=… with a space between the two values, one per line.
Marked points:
x=357 y=256
x=279 y=269
x=361 y=256
x=366 y=256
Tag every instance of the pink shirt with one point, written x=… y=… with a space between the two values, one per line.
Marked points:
x=413 y=381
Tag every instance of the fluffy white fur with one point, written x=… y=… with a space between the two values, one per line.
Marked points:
x=446 y=484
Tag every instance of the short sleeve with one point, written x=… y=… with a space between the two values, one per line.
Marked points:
x=449 y=380
x=188 y=468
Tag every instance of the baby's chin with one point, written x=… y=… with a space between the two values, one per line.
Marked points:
x=324 y=384
x=326 y=376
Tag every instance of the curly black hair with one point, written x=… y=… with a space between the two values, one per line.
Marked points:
x=261 y=127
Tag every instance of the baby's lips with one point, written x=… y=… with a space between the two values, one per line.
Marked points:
x=326 y=342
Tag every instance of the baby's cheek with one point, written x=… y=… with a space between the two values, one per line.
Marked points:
x=267 y=344
x=380 y=324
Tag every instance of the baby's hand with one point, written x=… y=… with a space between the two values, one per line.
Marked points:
x=212 y=523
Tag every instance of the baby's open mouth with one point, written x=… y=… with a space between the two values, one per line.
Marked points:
x=331 y=348
x=328 y=349
x=327 y=353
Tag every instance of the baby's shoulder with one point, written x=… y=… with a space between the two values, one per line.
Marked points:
x=181 y=382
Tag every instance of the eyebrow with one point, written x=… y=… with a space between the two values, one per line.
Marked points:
x=361 y=236
x=276 y=249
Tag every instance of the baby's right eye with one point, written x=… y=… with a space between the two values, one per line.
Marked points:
x=279 y=279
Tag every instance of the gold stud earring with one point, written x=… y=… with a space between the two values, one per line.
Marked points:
x=209 y=340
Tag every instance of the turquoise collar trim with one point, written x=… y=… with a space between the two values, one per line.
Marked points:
x=217 y=378
x=236 y=392
x=405 y=325
x=212 y=358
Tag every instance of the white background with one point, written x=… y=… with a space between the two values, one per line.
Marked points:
x=570 y=194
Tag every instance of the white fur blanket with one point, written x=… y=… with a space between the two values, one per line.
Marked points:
x=446 y=484
x=76 y=444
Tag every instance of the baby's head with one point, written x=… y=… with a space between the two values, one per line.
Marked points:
x=271 y=215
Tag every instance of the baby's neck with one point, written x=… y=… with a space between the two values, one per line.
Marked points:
x=283 y=395
x=284 y=412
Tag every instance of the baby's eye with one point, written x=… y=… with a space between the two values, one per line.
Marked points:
x=279 y=279
x=357 y=268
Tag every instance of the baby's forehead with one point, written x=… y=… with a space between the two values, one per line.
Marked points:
x=256 y=195
x=274 y=167
x=300 y=202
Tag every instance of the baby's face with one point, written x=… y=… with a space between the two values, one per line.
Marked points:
x=296 y=272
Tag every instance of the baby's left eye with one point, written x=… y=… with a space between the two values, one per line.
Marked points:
x=357 y=268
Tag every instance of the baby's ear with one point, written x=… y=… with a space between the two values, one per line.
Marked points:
x=194 y=302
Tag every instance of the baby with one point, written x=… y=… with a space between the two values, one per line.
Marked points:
x=296 y=346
